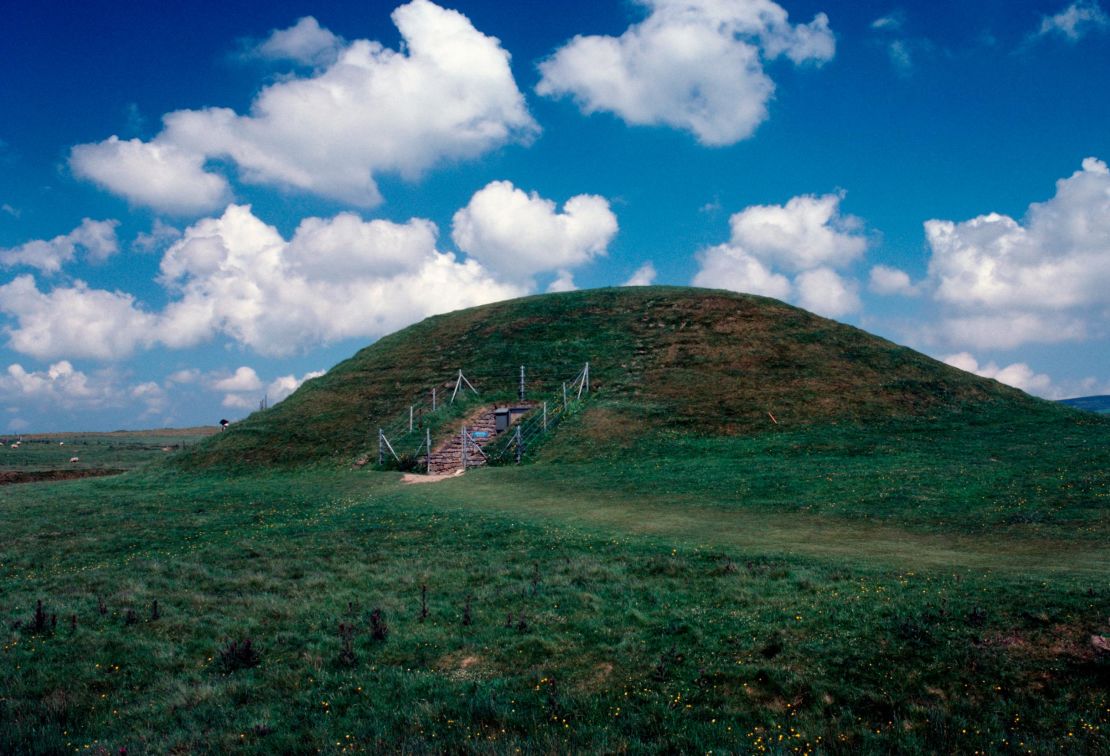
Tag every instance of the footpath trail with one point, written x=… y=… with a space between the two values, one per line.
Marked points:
x=762 y=532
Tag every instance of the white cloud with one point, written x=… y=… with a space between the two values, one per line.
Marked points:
x=805 y=233
x=1075 y=21
x=729 y=267
x=160 y=236
x=807 y=237
x=283 y=386
x=519 y=235
x=97 y=239
x=890 y=22
x=825 y=292
x=244 y=389
x=1008 y=329
x=184 y=376
x=1045 y=278
x=74 y=321
x=305 y=42
x=157 y=174
x=695 y=65
x=63 y=386
x=888 y=281
x=1019 y=375
x=643 y=276
x=236 y=276
x=243 y=379
x=152 y=396
x=564 y=281
x=449 y=94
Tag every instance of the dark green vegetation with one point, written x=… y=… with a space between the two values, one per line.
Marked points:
x=1090 y=403
x=915 y=564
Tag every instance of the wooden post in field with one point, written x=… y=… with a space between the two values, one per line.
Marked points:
x=433 y=400
x=519 y=445
x=410 y=418
x=522 y=383
x=564 y=396
x=545 y=416
x=462 y=437
x=381 y=447
x=428 y=449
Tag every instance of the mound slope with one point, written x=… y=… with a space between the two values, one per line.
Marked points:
x=661 y=358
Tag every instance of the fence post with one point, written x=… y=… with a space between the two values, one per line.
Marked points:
x=545 y=416
x=519 y=445
x=381 y=449
x=564 y=396
x=462 y=437
x=428 y=450
x=433 y=400
x=522 y=383
x=410 y=418
x=587 y=377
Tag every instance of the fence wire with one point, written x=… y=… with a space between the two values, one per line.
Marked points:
x=406 y=440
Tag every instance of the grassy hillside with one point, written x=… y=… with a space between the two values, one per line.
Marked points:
x=912 y=560
x=662 y=359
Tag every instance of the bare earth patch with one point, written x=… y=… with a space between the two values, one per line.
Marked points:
x=416 y=478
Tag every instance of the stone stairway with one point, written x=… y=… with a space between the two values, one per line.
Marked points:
x=447 y=457
x=482 y=427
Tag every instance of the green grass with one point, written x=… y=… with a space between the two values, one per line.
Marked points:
x=668 y=359
x=96 y=452
x=666 y=616
x=907 y=559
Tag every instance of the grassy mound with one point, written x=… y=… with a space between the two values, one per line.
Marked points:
x=912 y=560
x=671 y=359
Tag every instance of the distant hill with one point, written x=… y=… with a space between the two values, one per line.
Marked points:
x=1099 y=404
x=663 y=359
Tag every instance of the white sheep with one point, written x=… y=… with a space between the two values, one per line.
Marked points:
x=74 y=459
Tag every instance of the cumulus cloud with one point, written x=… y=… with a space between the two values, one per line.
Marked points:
x=74 y=321
x=643 y=276
x=62 y=385
x=243 y=379
x=305 y=42
x=160 y=236
x=236 y=276
x=888 y=281
x=1044 y=278
x=158 y=174
x=805 y=233
x=728 y=267
x=96 y=239
x=564 y=281
x=807 y=238
x=244 y=389
x=824 y=291
x=519 y=235
x=1075 y=21
x=283 y=386
x=449 y=94
x=696 y=65
x=1019 y=375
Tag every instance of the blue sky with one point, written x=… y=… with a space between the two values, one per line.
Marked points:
x=201 y=205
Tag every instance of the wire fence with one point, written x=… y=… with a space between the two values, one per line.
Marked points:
x=540 y=420
x=407 y=440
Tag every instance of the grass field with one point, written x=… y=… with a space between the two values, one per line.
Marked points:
x=31 y=456
x=763 y=532
x=824 y=589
